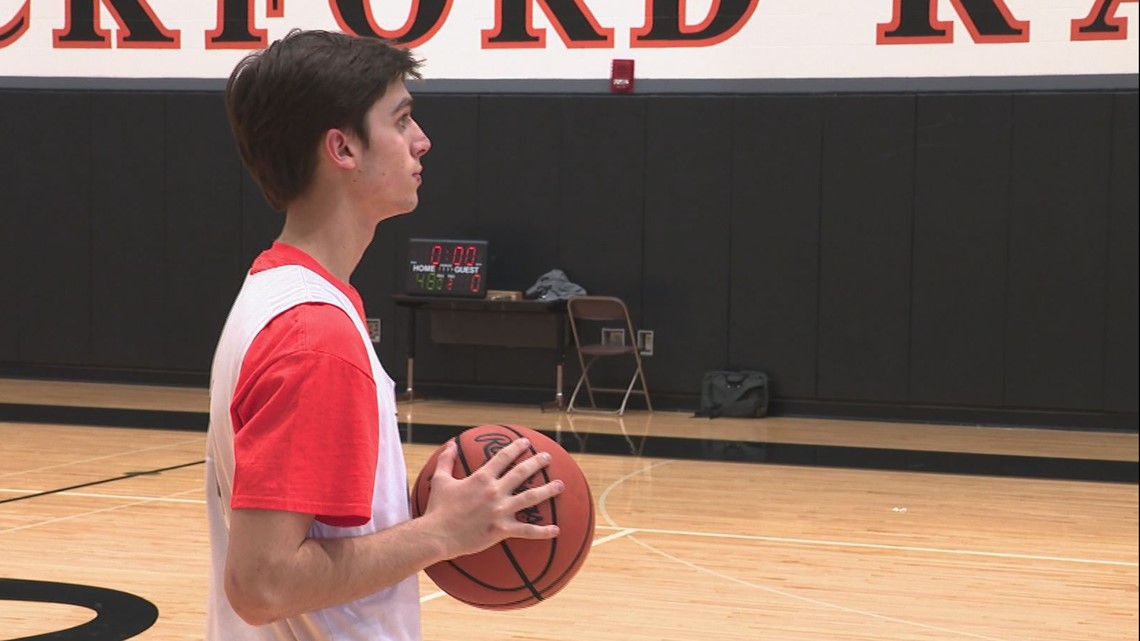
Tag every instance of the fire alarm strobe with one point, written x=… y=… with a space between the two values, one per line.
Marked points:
x=621 y=76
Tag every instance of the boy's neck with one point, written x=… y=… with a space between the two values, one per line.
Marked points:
x=333 y=237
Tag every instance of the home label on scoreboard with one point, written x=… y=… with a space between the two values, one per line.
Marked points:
x=446 y=268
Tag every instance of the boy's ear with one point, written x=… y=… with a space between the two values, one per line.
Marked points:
x=336 y=146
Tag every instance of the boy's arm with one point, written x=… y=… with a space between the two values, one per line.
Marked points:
x=274 y=571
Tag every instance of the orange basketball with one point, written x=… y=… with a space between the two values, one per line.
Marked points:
x=516 y=573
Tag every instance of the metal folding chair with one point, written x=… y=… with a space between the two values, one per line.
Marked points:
x=588 y=315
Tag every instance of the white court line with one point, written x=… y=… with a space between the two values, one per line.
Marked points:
x=98 y=458
x=788 y=595
x=875 y=546
x=605 y=495
x=606 y=539
x=433 y=596
x=91 y=495
x=823 y=604
x=850 y=544
x=613 y=537
x=92 y=512
x=622 y=532
x=897 y=548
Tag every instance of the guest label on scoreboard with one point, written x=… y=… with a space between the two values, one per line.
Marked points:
x=439 y=267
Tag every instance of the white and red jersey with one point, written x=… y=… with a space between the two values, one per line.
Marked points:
x=303 y=419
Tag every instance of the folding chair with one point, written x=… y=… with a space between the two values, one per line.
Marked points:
x=588 y=315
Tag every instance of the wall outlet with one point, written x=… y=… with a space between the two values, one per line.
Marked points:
x=613 y=336
x=645 y=342
x=374 y=329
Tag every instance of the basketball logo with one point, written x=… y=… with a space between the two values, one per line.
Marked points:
x=492 y=442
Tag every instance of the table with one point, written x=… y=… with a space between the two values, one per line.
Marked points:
x=494 y=323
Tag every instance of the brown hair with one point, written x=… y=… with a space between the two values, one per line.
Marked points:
x=281 y=100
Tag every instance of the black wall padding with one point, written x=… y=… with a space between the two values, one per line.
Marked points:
x=1057 y=241
x=203 y=229
x=601 y=222
x=520 y=144
x=14 y=110
x=130 y=278
x=930 y=256
x=774 y=294
x=260 y=224
x=961 y=227
x=866 y=221
x=49 y=206
x=600 y=219
x=688 y=204
x=519 y=186
x=1121 y=319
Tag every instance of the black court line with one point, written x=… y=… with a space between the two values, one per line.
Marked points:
x=125 y=475
x=118 y=615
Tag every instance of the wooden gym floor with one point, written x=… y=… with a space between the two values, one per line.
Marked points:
x=729 y=530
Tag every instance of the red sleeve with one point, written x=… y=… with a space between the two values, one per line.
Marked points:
x=305 y=419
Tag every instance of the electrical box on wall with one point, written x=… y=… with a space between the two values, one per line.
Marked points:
x=613 y=336
x=645 y=342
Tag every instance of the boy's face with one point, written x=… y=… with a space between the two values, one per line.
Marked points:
x=389 y=169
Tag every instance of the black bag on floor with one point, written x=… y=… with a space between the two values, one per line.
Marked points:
x=734 y=393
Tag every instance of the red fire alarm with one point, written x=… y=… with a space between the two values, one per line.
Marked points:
x=621 y=76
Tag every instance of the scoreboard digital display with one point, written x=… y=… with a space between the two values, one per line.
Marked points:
x=439 y=267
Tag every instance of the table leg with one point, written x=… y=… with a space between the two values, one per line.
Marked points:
x=409 y=393
x=558 y=388
x=562 y=338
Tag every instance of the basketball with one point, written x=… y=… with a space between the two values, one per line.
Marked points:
x=516 y=573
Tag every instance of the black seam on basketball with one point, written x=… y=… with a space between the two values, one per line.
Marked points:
x=480 y=582
x=519 y=570
x=579 y=560
x=545 y=474
x=553 y=515
x=504 y=605
x=560 y=581
x=461 y=457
